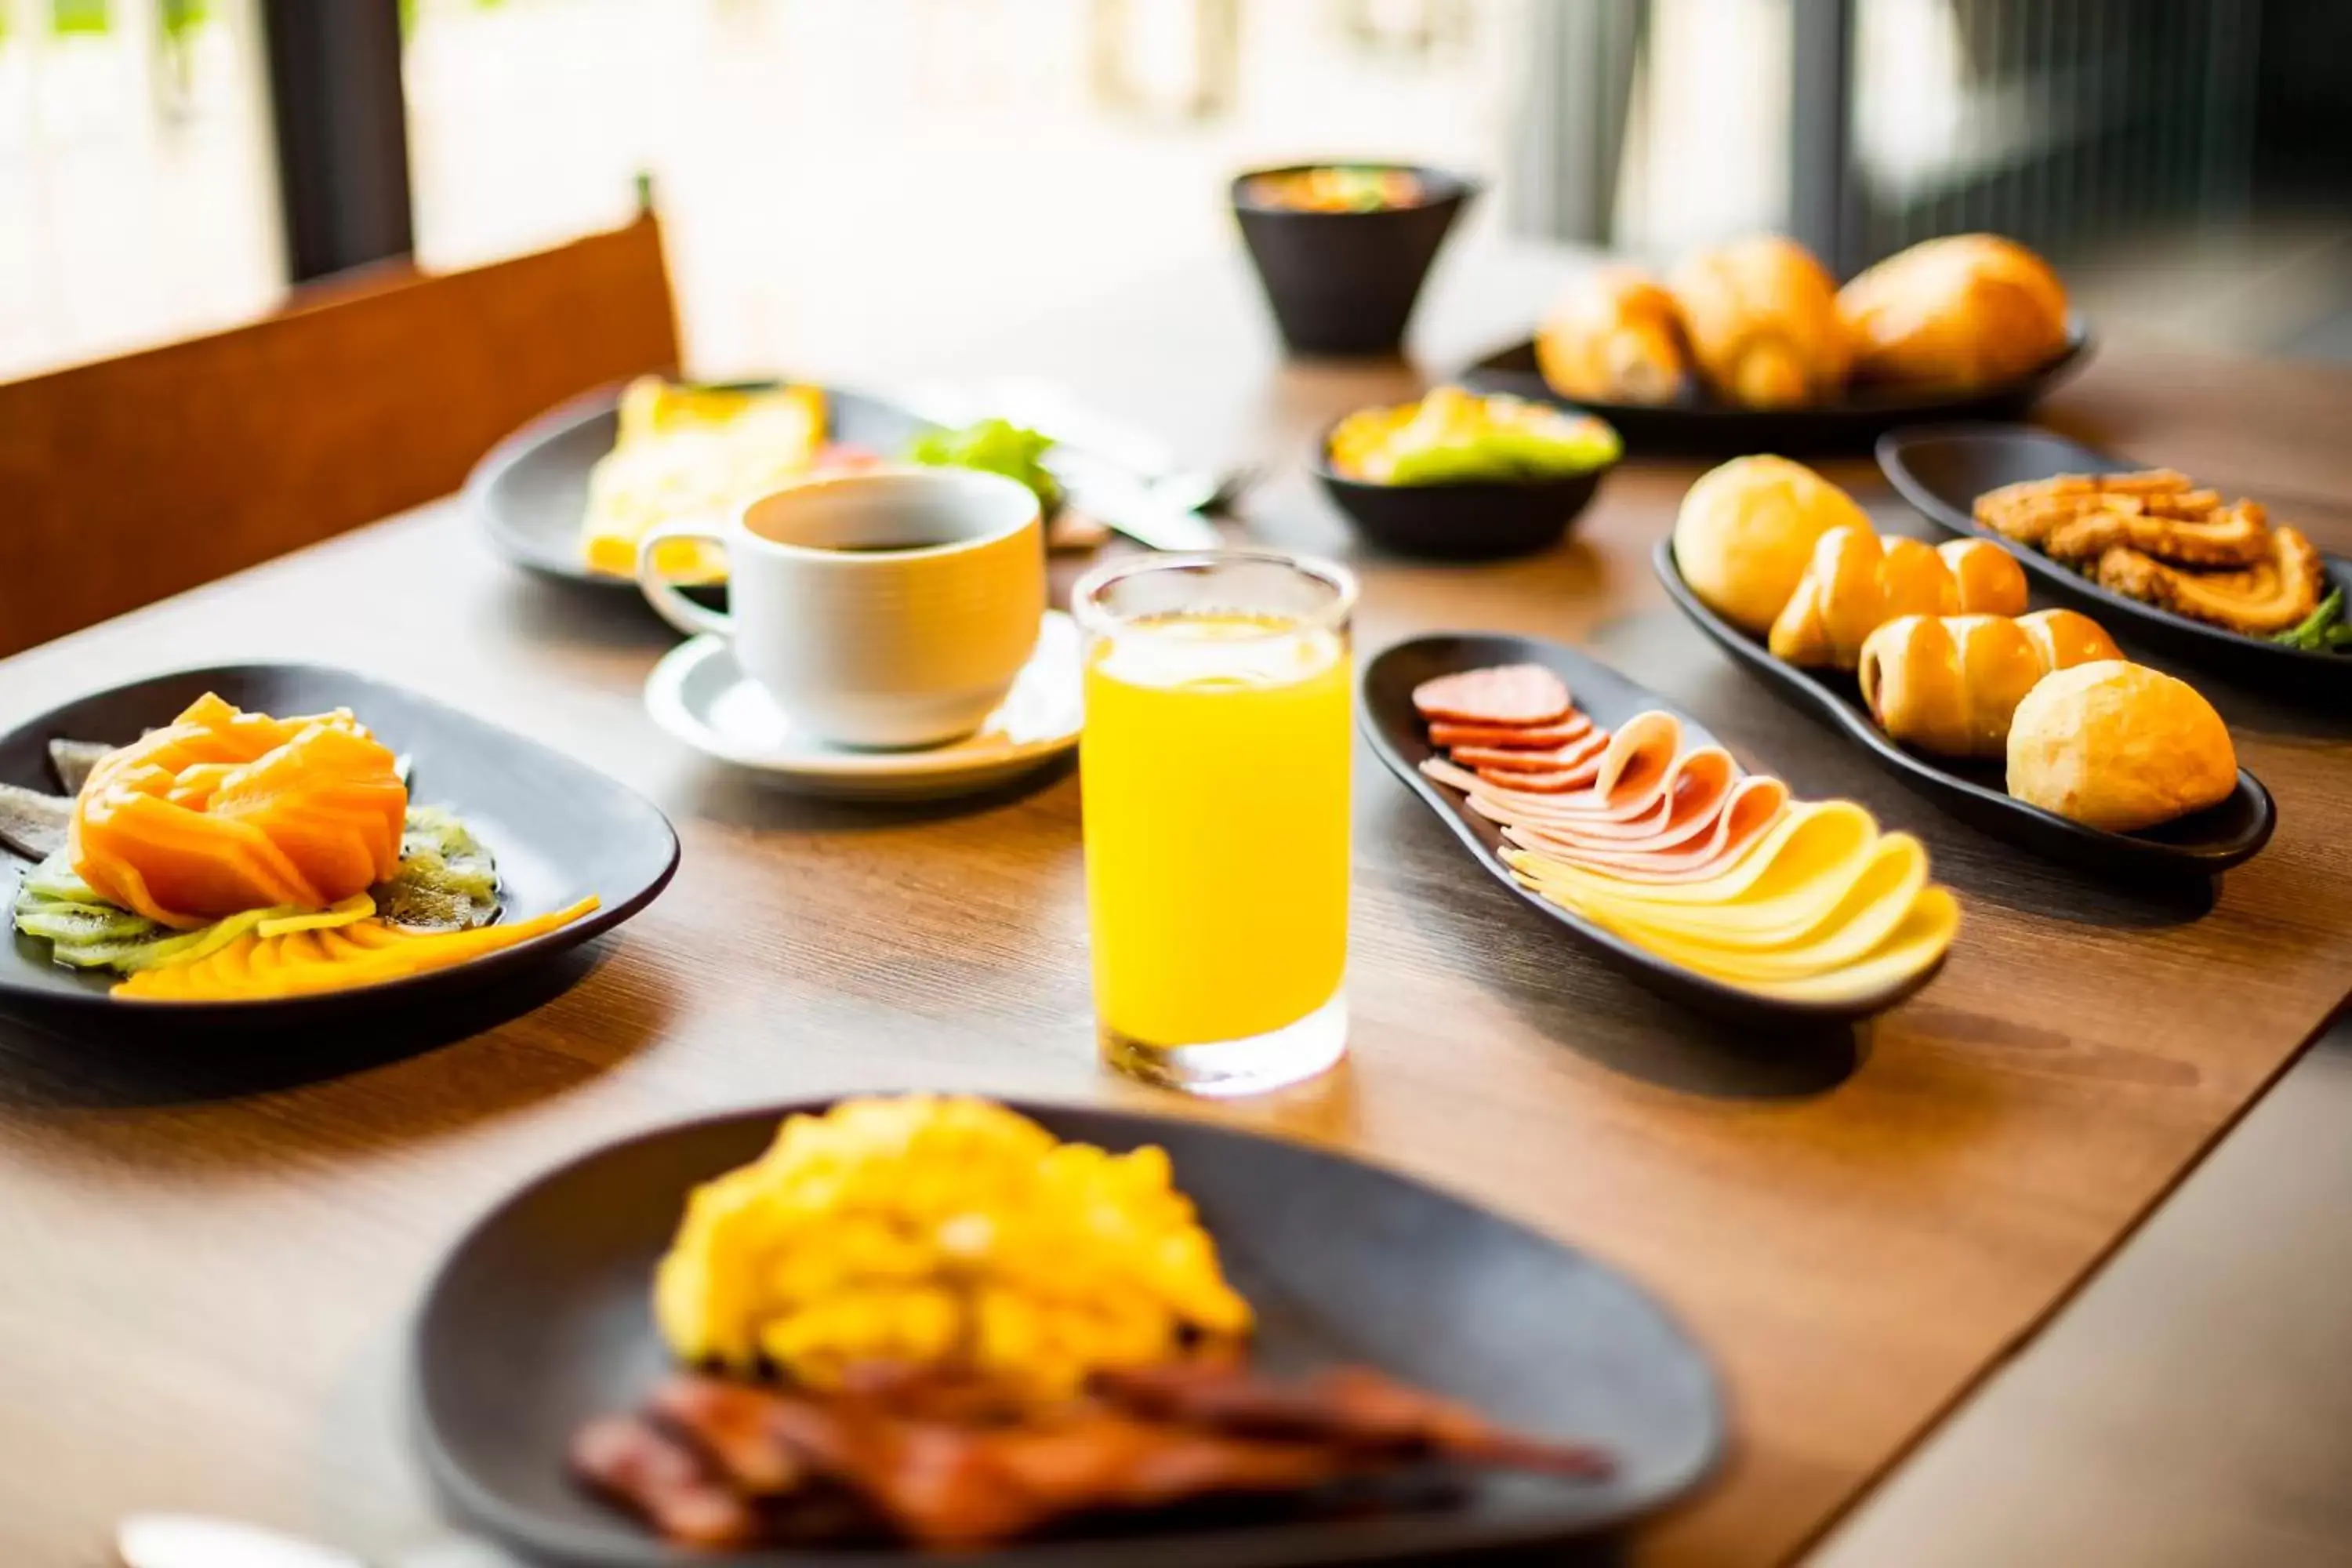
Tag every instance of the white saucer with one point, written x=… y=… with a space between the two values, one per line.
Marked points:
x=701 y=697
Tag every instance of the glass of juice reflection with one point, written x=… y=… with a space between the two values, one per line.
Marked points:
x=1214 y=770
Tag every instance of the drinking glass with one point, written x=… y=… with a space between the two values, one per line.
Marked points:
x=1213 y=771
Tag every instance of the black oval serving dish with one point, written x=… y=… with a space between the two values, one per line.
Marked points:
x=530 y=492
x=1486 y=520
x=1400 y=739
x=1941 y=470
x=2202 y=843
x=541 y=1318
x=1699 y=425
x=1344 y=283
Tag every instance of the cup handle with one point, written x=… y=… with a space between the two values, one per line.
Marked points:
x=662 y=595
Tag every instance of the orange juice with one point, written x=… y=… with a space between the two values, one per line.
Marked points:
x=1214 y=775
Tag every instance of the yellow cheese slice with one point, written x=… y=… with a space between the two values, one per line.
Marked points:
x=1814 y=834
x=1922 y=937
x=1872 y=911
x=1799 y=915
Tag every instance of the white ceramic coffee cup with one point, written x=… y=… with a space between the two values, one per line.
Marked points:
x=887 y=608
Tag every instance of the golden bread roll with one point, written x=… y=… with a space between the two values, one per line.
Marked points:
x=1964 y=311
x=1614 y=336
x=1747 y=530
x=1762 y=320
x=1857 y=582
x=1948 y=684
x=2119 y=746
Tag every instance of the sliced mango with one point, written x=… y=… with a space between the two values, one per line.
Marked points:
x=247 y=966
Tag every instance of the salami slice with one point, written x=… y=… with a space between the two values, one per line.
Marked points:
x=1518 y=737
x=1509 y=694
x=1504 y=759
x=1557 y=780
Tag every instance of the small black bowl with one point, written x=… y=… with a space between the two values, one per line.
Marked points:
x=1344 y=283
x=1483 y=519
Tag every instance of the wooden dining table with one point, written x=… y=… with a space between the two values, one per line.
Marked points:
x=212 y=1246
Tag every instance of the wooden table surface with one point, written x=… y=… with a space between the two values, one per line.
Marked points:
x=212 y=1256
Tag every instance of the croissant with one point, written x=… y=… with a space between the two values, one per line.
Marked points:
x=1947 y=684
x=1763 y=321
x=1857 y=582
x=1615 y=336
x=1964 y=311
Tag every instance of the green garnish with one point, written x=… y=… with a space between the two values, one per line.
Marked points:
x=2324 y=630
x=996 y=446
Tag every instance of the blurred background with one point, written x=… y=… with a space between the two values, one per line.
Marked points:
x=847 y=183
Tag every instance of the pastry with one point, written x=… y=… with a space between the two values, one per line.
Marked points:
x=1615 y=336
x=1961 y=313
x=2276 y=593
x=1947 y=684
x=1747 y=530
x=1857 y=582
x=2119 y=746
x=1763 y=321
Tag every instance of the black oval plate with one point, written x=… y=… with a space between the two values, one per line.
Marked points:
x=558 y=830
x=1941 y=471
x=1699 y=425
x=1400 y=740
x=531 y=492
x=540 y=1320
x=2202 y=843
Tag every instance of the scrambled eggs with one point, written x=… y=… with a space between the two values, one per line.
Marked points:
x=694 y=451
x=941 y=1232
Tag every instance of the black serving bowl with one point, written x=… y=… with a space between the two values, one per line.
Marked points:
x=1344 y=283
x=1484 y=519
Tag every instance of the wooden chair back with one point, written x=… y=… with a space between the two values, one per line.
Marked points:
x=129 y=480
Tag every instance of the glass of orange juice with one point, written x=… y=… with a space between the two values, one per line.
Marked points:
x=1213 y=771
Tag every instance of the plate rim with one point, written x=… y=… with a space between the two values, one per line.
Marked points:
x=1889 y=451
x=568 y=1544
x=1721 y=999
x=524 y=550
x=393 y=992
x=1695 y=417
x=1927 y=778
x=666 y=704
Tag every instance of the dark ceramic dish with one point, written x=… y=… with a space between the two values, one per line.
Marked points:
x=1402 y=741
x=540 y=1320
x=1345 y=283
x=2202 y=843
x=559 y=831
x=1942 y=470
x=530 y=492
x=1475 y=521
x=1701 y=426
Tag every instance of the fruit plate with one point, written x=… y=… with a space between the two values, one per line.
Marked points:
x=1698 y=427
x=1941 y=470
x=540 y=1320
x=1399 y=738
x=2202 y=843
x=558 y=830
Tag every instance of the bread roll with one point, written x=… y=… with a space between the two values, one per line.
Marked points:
x=1747 y=528
x=1614 y=336
x=2119 y=746
x=1857 y=582
x=1962 y=313
x=1762 y=320
x=1948 y=684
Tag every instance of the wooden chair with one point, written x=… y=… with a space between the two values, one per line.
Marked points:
x=132 y=479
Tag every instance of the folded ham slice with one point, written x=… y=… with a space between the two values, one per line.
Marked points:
x=1754 y=806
